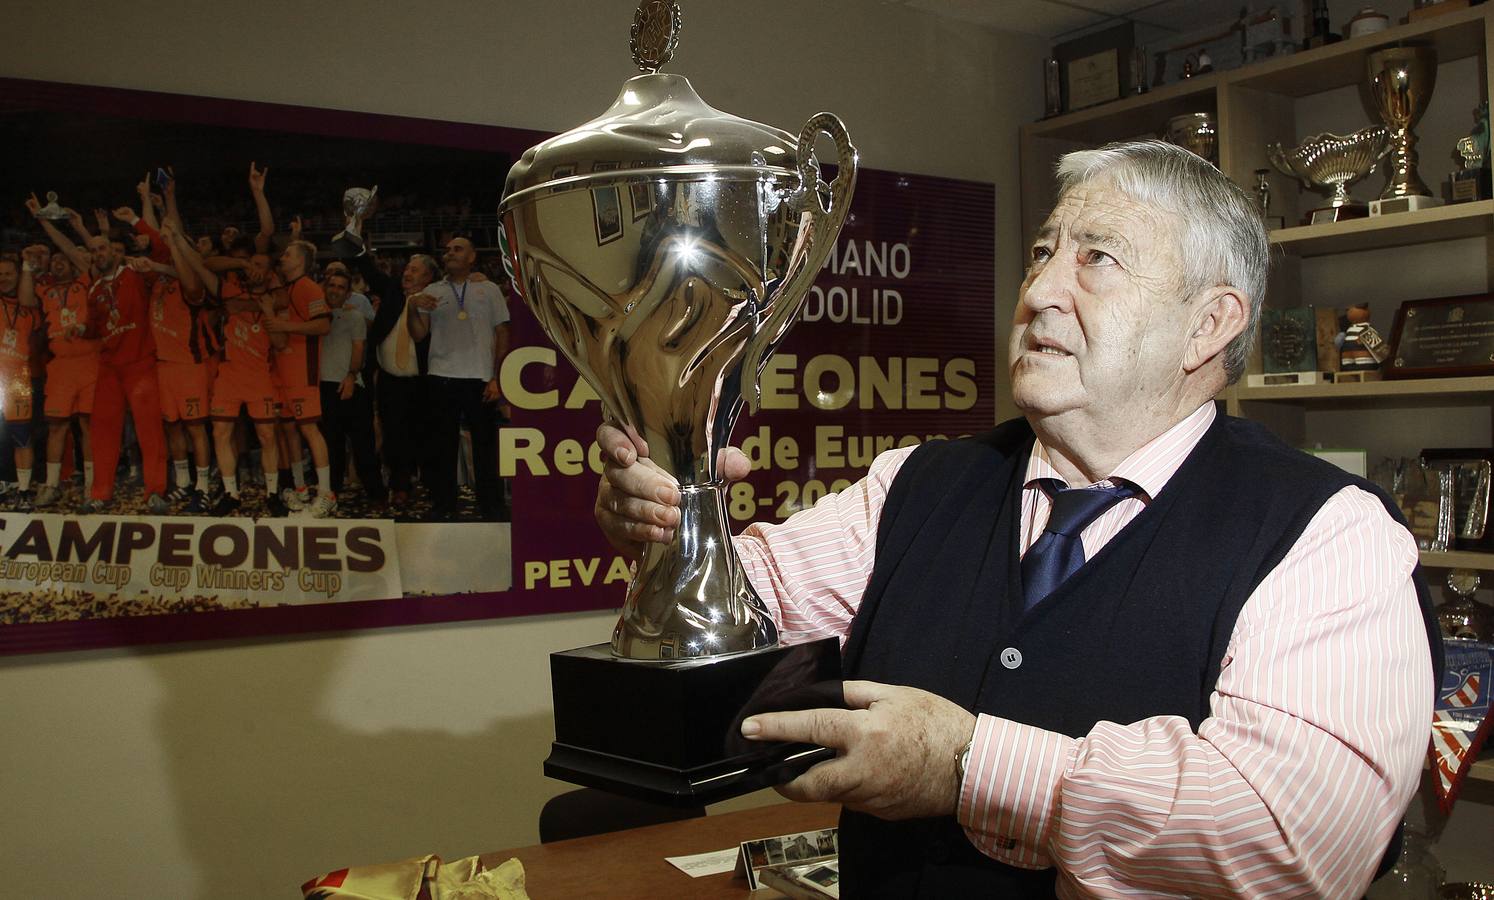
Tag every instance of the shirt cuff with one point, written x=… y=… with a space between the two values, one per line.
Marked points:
x=1009 y=797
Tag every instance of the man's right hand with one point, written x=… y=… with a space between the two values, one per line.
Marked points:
x=638 y=502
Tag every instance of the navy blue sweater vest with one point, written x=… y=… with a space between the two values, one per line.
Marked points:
x=1139 y=631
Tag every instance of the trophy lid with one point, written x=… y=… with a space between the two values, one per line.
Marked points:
x=657 y=127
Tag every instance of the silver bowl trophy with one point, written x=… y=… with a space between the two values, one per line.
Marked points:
x=666 y=247
x=1197 y=132
x=1400 y=85
x=1333 y=161
x=357 y=205
x=53 y=210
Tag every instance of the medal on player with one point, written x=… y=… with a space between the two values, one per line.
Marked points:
x=461 y=299
x=462 y=314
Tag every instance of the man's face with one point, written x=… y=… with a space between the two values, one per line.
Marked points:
x=460 y=255
x=1101 y=325
x=335 y=289
x=141 y=242
x=230 y=234
x=102 y=252
x=415 y=276
x=259 y=269
x=204 y=246
x=291 y=264
x=10 y=276
x=62 y=267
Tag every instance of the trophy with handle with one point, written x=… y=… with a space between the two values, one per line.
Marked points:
x=666 y=247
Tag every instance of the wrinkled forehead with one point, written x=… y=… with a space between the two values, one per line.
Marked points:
x=1099 y=212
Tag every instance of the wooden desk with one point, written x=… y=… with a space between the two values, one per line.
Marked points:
x=631 y=863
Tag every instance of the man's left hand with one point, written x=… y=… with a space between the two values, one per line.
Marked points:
x=491 y=393
x=276 y=324
x=345 y=390
x=895 y=750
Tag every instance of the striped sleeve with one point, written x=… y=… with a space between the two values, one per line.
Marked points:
x=1292 y=786
x=812 y=569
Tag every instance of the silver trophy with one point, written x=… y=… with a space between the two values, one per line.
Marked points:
x=1197 y=132
x=1401 y=80
x=1334 y=162
x=666 y=247
x=53 y=210
x=357 y=203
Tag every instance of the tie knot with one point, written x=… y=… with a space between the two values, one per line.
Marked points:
x=1075 y=508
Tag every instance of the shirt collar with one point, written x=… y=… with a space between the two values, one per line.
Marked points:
x=1151 y=466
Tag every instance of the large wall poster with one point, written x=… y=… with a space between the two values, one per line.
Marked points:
x=895 y=346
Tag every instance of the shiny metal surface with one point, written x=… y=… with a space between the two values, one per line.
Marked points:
x=357 y=203
x=53 y=210
x=1196 y=132
x=1333 y=161
x=1401 y=82
x=666 y=248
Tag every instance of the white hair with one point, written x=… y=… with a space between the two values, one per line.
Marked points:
x=1222 y=234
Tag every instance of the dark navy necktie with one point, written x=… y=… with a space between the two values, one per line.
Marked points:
x=1058 y=552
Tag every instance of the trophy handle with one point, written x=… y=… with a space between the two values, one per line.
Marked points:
x=818 y=233
x=809 y=167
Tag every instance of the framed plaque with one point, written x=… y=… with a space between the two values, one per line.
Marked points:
x=1471 y=470
x=1448 y=336
x=1095 y=68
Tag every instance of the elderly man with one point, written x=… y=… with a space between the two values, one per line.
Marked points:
x=467 y=322
x=1123 y=645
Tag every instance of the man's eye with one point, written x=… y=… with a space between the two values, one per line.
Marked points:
x=1041 y=254
x=1098 y=258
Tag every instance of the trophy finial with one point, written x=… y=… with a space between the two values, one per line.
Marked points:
x=656 y=33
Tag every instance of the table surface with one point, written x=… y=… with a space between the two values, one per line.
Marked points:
x=631 y=863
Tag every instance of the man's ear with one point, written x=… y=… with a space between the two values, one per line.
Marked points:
x=1222 y=315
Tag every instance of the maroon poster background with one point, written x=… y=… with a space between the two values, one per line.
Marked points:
x=896 y=345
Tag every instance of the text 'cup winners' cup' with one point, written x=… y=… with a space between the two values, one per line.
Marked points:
x=666 y=248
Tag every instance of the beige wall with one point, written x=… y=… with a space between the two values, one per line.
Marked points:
x=240 y=769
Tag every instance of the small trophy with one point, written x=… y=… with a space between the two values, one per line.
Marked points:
x=53 y=210
x=357 y=205
x=671 y=324
x=1463 y=618
x=1263 y=200
x=1471 y=181
x=1196 y=132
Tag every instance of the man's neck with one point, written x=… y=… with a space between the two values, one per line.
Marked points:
x=1084 y=451
x=458 y=277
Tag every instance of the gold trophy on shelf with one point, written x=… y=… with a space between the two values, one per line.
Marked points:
x=1400 y=84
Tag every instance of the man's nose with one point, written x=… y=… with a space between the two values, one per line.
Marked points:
x=1050 y=286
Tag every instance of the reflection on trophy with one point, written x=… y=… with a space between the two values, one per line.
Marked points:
x=666 y=248
x=1401 y=82
x=53 y=210
x=1333 y=161
x=1196 y=132
x=357 y=205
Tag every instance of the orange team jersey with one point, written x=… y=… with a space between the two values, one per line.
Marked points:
x=66 y=307
x=298 y=365
x=246 y=345
x=16 y=328
x=173 y=322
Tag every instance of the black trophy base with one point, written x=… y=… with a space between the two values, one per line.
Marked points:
x=671 y=732
x=1343 y=213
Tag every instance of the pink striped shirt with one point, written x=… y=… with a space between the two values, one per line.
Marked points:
x=1291 y=787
